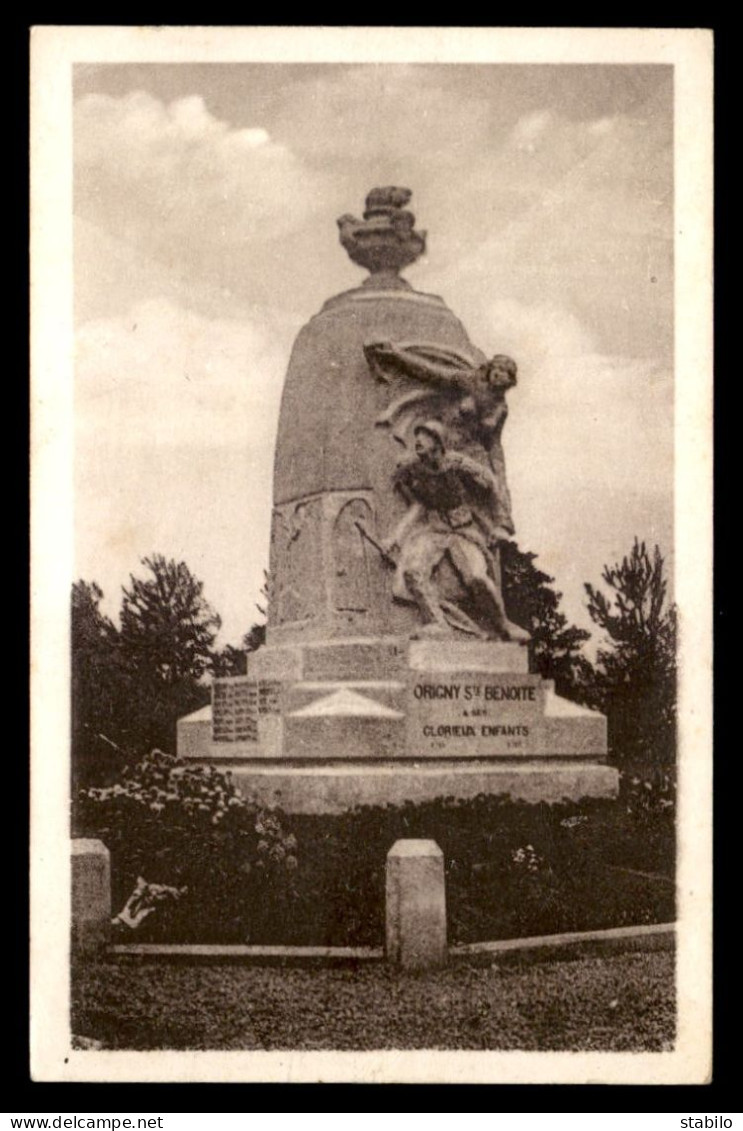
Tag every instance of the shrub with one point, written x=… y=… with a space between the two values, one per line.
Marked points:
x=513 y=869
x=649 y=791
x=189 y=827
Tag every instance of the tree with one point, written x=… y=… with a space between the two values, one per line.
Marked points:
x=167 y=623
x=635 y=677
x=254 y=638
x=533 y=603
x=100 y=691
x=131 y=685
x=229 y=661
x=166 y=644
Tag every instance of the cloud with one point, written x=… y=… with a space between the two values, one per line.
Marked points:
x=535 y=333
x=601 y=126
x=165 y=375
x=394 y=118
x=534 y=205
x=528 y=130
x=183 y=185
x=112 y=276
x=546 y=143
x=590 y=231
x=175 y=427
x=600 y=425
x=605 y=419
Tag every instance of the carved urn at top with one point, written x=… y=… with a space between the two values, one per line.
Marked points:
x=385 y=240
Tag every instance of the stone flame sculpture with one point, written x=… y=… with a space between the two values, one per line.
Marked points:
x=385 y=240
x=391 y=670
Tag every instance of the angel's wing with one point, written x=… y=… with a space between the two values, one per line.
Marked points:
x=403 y=413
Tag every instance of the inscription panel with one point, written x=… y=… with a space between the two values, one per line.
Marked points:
x=269 y=697
x=474 y=715
x=237 y=705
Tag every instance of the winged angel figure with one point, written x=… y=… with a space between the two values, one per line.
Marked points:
x=452 y=478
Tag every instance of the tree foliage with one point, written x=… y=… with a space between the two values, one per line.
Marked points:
x=131 y=684
x=229 y=661
x=97 y=679
x=167 y=626
x=165 y=641
x=634 y=678
x=533 y=603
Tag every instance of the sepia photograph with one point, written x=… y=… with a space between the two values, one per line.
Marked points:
x=372 y=429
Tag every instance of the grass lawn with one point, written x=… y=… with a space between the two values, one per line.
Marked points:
x=619 y=1003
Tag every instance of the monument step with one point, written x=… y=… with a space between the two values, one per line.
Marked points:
x=338 y=787
x=383 y=658
x=468 y=655
x=363 y=657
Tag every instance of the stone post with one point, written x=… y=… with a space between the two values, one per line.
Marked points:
x=415 y=905
x=91 y=894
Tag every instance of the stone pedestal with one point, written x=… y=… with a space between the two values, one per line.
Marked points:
x=415 y=917
x=322 y=727
x=91 y=894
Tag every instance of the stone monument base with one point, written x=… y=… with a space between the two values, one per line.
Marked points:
x=336 y=788
x=320 y=727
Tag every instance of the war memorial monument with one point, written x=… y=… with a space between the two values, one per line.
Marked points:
x=391 y=671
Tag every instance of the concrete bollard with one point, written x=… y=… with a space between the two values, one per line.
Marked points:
x=91 y=894
x=415 y=909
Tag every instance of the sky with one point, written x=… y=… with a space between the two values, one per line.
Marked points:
x=205 y=205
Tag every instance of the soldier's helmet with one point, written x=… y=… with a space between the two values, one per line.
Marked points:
x=432 y=428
